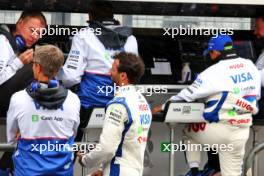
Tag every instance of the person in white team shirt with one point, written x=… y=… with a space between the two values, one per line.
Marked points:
x=127 y=121
x=231 y=89
x=46 y=116
x=90 y=59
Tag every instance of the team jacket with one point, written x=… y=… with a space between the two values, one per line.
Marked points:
x=231 y=89
x=9 y=62
x=124 y=136
x=44 y=147
x=89 y=63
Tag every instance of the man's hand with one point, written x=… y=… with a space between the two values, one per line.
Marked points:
x=80 y=156
x=157 y=109
x=26 y=57
x=18 y=135
x=97 y=173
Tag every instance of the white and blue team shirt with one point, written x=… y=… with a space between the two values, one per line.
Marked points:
x=40 y=128
x=89 y=63
x=123 y=139
x=9 y=62
x=230 y=88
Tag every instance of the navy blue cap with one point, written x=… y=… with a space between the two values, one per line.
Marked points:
x=218 y=43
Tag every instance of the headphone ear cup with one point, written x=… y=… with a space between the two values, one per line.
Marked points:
x=20 y=41
x=34 y=86
x=53 y=83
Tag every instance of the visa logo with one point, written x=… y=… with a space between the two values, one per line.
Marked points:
x=75 y=52
x=241 y=77
x=145 y=119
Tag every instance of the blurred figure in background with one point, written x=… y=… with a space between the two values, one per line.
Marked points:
x=90 y=59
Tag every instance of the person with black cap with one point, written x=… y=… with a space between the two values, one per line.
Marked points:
x=231 y=88
x=90 y=59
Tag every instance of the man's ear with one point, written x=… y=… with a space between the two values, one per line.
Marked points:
x=123 y=76
x=39 y=69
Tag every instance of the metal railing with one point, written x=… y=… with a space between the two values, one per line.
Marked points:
x=250 y=158
x=7 y=147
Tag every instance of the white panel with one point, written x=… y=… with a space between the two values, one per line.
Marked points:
x=185 y=113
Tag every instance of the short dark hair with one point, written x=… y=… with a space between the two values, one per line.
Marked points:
x=100 y=10
x=33 y=14
x=132 y=65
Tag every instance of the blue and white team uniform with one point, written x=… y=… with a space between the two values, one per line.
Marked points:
x=44 y=146
x=123 y=140
x=231 y=89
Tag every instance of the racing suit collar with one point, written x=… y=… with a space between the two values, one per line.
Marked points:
x=225 y=55
x=230 y=54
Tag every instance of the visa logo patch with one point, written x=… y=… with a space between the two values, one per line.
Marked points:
x=244 y=77
x=145 y=119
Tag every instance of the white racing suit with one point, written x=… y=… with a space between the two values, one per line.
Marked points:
x=46 y=135
x=231 y=89
x=124 y=136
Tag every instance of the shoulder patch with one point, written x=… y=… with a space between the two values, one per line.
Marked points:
x=117 y=100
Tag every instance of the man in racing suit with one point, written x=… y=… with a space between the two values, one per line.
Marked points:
x=127 y=121
x=43 y=119
x=231 y=89
x=90 y=59
x=259 y=45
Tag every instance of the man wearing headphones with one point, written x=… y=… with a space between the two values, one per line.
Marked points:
x=90 y=59
x=15 y=70
x=231 y=88
x=15 y=73
x=46 y=116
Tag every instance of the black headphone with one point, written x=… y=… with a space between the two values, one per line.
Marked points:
x=21 y=42
x=17 y=42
